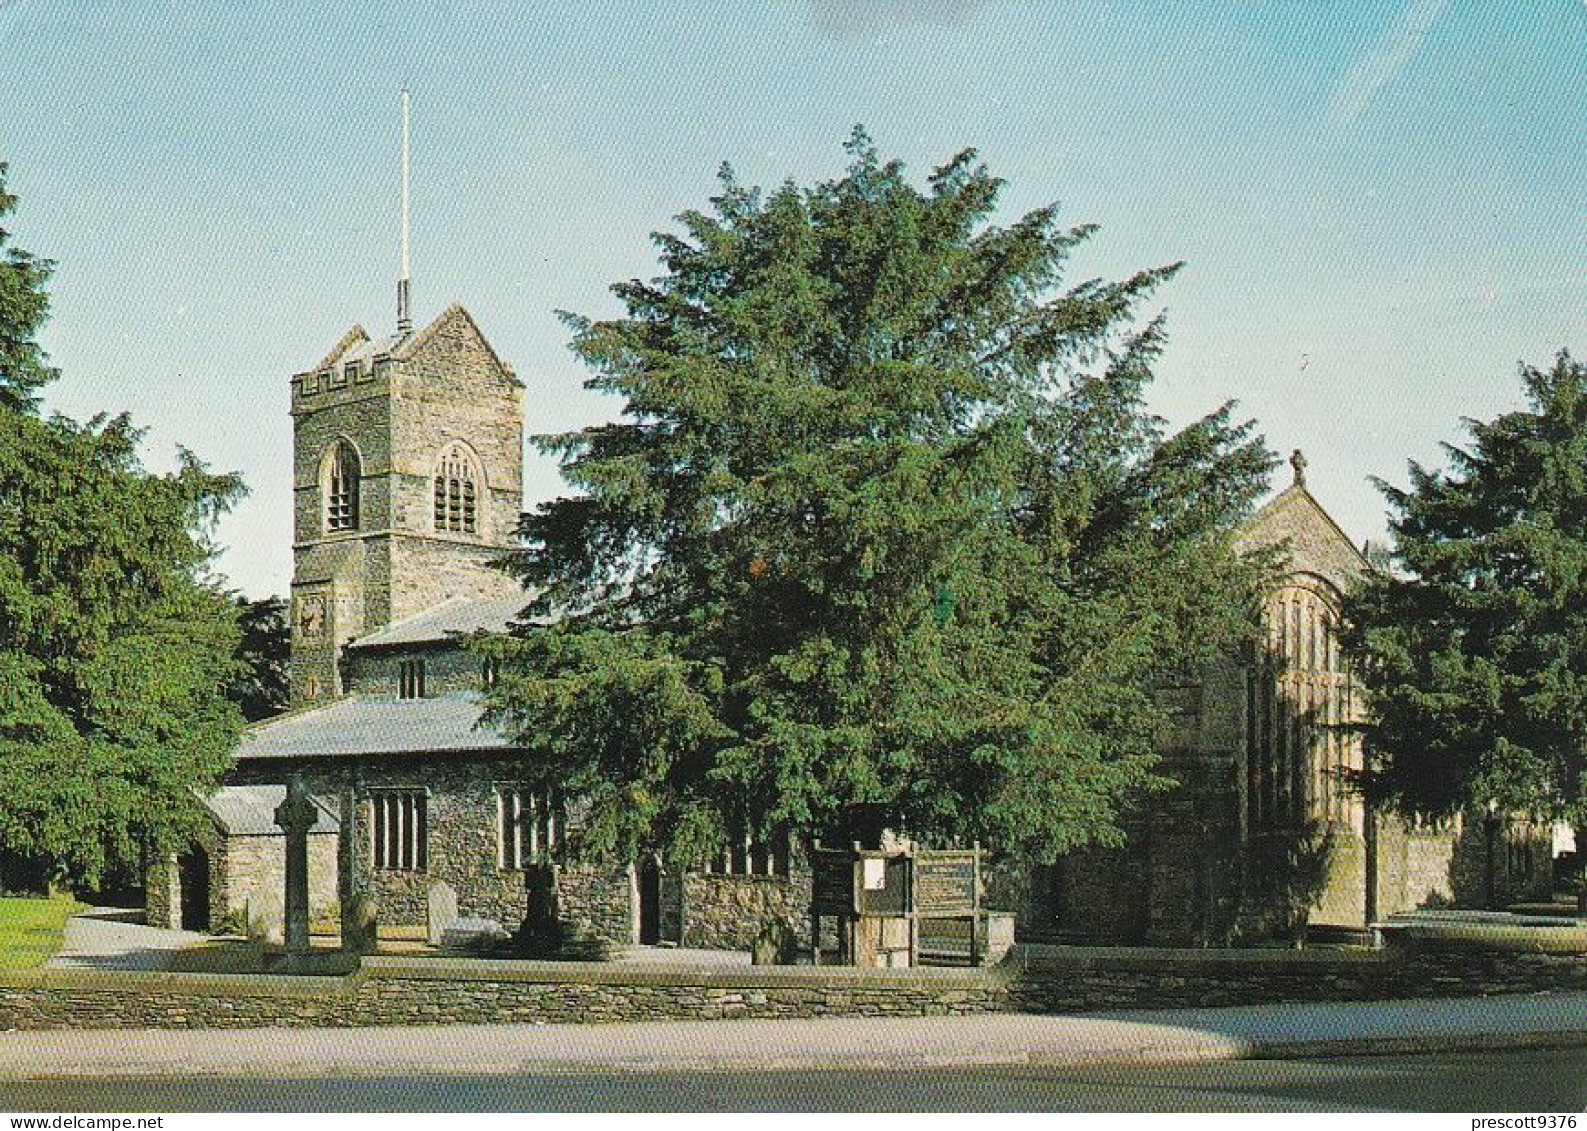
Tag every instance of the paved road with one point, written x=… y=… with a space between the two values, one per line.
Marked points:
x=1530 y=1081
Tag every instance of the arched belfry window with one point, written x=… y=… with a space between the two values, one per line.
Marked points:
x=456 y=492
x=341 y=487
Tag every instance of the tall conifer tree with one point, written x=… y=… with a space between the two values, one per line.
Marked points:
x=885 y=536
x=116 y=649
x=1473 y=646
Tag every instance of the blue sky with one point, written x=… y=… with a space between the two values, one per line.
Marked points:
x=1380 y=204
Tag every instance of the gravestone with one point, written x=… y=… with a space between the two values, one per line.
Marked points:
x=442 y=911
x=471 y=932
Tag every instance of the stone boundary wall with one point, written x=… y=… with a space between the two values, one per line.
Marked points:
x=427 y=991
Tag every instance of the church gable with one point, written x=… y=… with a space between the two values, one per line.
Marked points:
x=1316 y=544
x=453 y=347
x=354 y=337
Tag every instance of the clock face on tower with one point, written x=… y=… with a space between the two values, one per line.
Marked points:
x=311 y=617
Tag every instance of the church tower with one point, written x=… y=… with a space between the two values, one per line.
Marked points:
x=407 y=485
x=407 y=479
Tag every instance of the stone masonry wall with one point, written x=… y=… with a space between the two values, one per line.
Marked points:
x=448 y=670
x=593 y=902
x=396 y=991
x=730 y=912
x=429 y=569
x=461 y=843
x=252 y=881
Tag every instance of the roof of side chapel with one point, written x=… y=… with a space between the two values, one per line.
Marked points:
x=355 y=725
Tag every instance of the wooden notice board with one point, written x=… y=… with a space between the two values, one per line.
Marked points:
x=946 y=884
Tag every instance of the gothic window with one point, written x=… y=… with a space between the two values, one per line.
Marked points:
x=341 y=488
x=1298 y=709
x=399 y=828
x=410 y=679
x=456 y=493
x=744 y=855
x=529 y=826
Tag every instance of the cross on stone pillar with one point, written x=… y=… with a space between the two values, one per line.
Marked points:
x=1297 y=460
x=296 y=816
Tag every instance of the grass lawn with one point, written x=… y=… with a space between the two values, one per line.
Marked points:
x=30 y=930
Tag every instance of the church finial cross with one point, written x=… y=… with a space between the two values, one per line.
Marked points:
x=1298 y=462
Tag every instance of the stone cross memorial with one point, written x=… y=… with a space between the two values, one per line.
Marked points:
x=296 y=816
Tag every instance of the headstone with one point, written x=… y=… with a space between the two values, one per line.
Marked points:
x=443 y=910
x=295 y=816
x=471 y=931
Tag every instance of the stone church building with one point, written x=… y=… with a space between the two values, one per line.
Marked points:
x=407 y=459
x=1263 y=833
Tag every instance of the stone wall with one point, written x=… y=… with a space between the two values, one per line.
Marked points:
x=416 y=991
x=461 y=844
x=1176 y=879
x=730 y=912
x=448 y=669
x=594 y=902
x=162 y=895
x=251 y=881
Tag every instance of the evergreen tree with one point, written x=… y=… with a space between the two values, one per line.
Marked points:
x=116 y=650
x=24 y=305
x=885 y=532
x=263 y=686
x=1473 y=645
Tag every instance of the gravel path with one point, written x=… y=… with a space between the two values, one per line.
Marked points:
x=111 y=938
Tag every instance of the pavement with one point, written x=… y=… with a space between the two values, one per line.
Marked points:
x=114 y=938
x=1540 y=1021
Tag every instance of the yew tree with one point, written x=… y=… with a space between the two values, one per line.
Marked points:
x=1473 y=646
x=116 y=646
x=884 y=535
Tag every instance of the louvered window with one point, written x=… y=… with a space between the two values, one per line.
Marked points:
x=456 y=502
x=341 y=493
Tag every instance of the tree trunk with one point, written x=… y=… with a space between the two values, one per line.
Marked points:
x=1581 y=869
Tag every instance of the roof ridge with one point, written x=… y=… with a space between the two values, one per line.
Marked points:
x=415 y=342
x=296 y=712
x=356 y=333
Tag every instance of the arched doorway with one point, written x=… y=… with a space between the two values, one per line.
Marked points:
x=193 y=874
x=650 y=902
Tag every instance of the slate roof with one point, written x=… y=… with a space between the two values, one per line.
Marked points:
x=366 y=350
x=458 y=615
x=354 y=726
x=249 y=810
